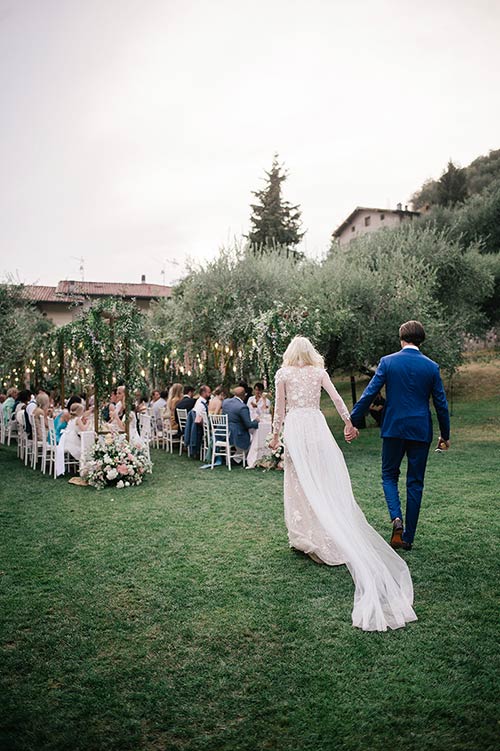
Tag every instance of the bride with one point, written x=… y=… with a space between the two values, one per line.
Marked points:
x=321 y=514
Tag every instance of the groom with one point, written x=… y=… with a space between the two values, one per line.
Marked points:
x=410 y=379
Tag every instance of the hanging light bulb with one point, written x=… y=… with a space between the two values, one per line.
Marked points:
x=231 y=353
x=240 y=354
x=227 y=349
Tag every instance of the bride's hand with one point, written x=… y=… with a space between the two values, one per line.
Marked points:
x=350 y=433
x=274 y=442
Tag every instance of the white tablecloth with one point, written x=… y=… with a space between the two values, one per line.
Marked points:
x=258 y=447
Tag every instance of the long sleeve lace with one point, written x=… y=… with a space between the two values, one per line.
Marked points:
x=335 y=397
x=280 y=402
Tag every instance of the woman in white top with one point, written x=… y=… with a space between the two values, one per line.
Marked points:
x=77 y=425
x=322 y=516
x=258 y=404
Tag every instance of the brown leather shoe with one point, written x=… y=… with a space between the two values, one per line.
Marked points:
x=397 y=534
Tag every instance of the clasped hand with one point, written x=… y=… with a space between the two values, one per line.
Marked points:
x=350 y=433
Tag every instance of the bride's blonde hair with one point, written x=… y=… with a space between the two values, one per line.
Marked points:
x=300 y=351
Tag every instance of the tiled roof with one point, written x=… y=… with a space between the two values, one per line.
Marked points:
x=72 y=291
x=41 y=293
x=105 y=289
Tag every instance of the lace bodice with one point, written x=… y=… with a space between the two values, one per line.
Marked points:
x=299 y=388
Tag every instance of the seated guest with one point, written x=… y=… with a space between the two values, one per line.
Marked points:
x=173 y=399
x=31 y=406
x=377 y=408
x=258 y=403
x=248 y=390
x=239 y=421
x=9 y=404
x=140 y=402
x=77 y=424
x=105 y=412
x=20 y=414
x=187 y=402
x=74 y=399
x=158 y=404
x=119 y=407
x=215 y=403
x=195 y=422
x=41 y=410
x=60 y=423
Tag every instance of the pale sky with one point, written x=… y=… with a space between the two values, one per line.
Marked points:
x=133 y=131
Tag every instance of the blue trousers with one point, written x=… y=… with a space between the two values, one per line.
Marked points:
x=393 y=452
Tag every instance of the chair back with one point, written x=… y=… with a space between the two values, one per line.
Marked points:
x=51 y=431
x=145 y=425
x=219 y=425
x=182 y=414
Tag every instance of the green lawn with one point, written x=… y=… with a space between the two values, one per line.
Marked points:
x=174 y=615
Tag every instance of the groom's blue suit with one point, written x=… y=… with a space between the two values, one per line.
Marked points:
x=410 y=379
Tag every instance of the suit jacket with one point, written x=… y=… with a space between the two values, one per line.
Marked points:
x=238 y=416
x=410 y=380
x=187 y=402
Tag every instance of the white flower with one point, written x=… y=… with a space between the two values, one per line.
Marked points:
x=127 y=484
x=120 y=484
x=112 y=473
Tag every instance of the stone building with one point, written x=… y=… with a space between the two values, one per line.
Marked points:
x=364 y=220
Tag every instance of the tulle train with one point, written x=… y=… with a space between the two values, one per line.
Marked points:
x=383 y=594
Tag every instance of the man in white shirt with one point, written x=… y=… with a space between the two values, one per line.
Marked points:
x=201 y=406
x=158 y=404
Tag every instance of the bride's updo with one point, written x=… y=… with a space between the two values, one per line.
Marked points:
x=301 y=352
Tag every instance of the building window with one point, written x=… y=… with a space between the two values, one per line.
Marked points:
x=353 y=228
x=367 y=221
x=382 y=217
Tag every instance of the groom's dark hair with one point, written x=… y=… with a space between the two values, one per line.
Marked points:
x=412 y=332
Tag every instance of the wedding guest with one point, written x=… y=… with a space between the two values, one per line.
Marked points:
x=158 y=404
x=74 y=399
x=195 y=422
x=119 y=407
x=105 y=413
x=9 y=404
x=239 y=419
x=20 y=414
x=42 y=408
x=60 y=423
x=258 y=403
x=140 y=402
x=377 y=408
x=215 y=404
x=77 y=425
x=3 y=397
x=201 y=406
x=31 y=405
x=174 y=398
x=248 y=390
x=187 y=402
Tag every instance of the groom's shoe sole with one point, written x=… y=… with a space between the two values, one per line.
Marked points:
x=401 y=545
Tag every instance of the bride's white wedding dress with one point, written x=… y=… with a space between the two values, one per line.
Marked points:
x=321 y=514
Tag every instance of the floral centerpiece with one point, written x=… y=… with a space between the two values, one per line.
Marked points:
x=115 y=461
x=273 y=460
